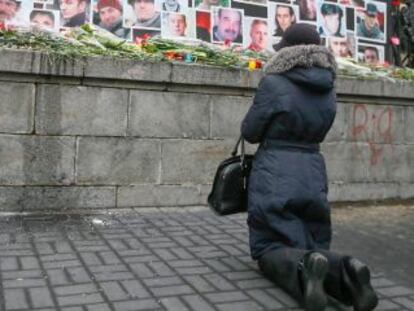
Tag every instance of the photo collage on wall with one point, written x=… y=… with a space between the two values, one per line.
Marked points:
x=350 y=28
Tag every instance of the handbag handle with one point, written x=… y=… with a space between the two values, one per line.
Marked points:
x=239 y=141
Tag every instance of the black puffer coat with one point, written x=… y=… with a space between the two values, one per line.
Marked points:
x=292 y=112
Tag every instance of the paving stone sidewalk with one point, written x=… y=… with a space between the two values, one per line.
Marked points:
x=168 y=259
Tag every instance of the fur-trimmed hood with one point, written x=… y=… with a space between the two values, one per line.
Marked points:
x=305 y=56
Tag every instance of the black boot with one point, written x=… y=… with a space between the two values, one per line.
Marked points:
x=313 y=271
x=357 y=279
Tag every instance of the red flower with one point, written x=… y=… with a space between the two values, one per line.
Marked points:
x=2 y=26
x=395 y=2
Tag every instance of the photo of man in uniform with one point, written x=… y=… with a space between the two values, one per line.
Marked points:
x=74 y=12
x=258 y=36
x=284 y=18
x=368 y=27
x=228 y=26
x=110 y=16
x=331 y=20
x=146 y=14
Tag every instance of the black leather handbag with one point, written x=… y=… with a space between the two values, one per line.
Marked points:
x=229 y=191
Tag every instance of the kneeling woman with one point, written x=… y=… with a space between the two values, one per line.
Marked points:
x=288 y=212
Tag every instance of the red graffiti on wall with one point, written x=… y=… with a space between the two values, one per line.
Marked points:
x=372 y=127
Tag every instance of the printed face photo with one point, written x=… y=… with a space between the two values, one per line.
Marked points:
x=370 y=54
x=8 y=9
x=173 y=24
x=174 y=5
x=16 y=13
x=71 y=8
x=342 y=46
x=44 y=20
x=142 y=13
x=107 y=14
x=208 y=4
x=307 y=10
x=256 y=33
x=370 y=22
x=227 y=25
x=281 y=17
x=331 y=20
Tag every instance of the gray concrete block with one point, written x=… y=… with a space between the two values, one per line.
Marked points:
x=390 y=163
x=169 y=114
x=339 y=129
x=208 y=75
x=408 y=124
x=16 y=107
x=121 y=161
x=158 y=195
x=346 y=162
x=376 y=123
x=55 y=198
x=227 y=115
x=127 y=69
x=78 y=110
x=25 y=61
x=374 y=88
x=36 y=160
x=192 y=162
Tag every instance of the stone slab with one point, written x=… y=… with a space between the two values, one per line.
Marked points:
x=227 y=115
x=169 y=114
x=36 y=160
x=29 y=62
x=16 y=107
x=78 y=110
x=193 y=161
x=117 y=161
x=126 y=69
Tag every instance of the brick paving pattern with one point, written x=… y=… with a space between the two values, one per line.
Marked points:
x=143 y=260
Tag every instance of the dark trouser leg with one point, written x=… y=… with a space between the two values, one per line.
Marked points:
x=281 y=267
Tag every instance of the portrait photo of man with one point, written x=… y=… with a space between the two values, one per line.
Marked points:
x=342 y=46
x=284 y=17
x=370 y=54
x=227 y=26
x=108 y=15
x=307 y=10
x=258 y=34
x=173 y=24
x=145 y=14
x=74 y=12
x=331 y=21
x=43 y=20
x=369 y=27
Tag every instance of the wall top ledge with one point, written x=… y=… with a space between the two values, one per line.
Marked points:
x=28 y=62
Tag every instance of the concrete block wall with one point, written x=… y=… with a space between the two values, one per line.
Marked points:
x=100 y=133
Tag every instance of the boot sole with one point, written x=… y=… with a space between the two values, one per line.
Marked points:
x=315 y=297
x=365 y=296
